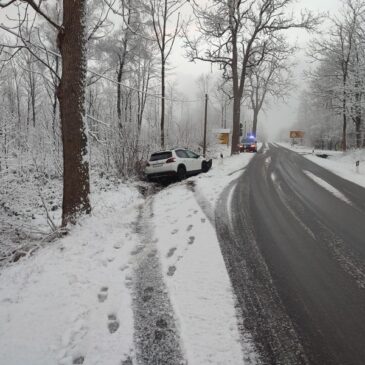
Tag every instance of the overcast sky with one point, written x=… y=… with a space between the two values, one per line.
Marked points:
x=281 y=115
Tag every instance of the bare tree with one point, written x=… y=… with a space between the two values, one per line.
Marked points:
x=338 y=53
x=237 y=35
x=71 y=42
x=163 y=13
x=270 y=79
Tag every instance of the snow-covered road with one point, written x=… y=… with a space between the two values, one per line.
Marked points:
x=294 y=247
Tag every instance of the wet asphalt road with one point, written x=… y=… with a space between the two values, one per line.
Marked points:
x=295 y=254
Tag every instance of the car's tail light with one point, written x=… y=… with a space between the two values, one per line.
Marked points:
x=171 y=159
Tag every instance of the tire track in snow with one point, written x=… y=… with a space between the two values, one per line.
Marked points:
x=156 y=335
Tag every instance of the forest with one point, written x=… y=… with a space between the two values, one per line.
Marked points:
x=87 y=89
x=331 y=105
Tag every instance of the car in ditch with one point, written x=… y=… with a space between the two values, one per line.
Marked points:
x=176 y=163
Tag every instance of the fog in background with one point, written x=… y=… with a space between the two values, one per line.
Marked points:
x=276 y=120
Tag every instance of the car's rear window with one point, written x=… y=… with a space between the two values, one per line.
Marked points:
x=160 y=156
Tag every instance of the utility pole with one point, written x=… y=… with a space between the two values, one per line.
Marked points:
x=205 y=125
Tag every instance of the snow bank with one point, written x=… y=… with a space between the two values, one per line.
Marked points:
x=328 y=187
x=340 y=163
x=70 y=302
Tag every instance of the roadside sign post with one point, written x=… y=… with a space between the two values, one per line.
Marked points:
x=358 y=167
x=296 y=135
x=222 y=135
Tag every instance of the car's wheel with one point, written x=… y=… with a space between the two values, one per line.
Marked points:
x=205 y=166
x=181 y=173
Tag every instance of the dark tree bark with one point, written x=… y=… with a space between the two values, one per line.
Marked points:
x=54 y=107
x=71 y=96
x=254 y=122
x=122 y=61
x=119 y=90
x=344 y=116
x=357 y=118
x=162 y=123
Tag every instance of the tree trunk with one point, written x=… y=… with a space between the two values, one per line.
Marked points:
x=119 y=91
x=357 y=118
x=33 y=99
x=54 y=109
x=71 y=96
x=236 y=98
x=358 y=131
x=162 y=126
x=236 y=124
x=344 y=126
x=254 y=122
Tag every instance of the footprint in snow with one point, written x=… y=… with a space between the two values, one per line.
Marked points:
x=171 y=270
x=78 y=360
x=129 y=282
x=191 y=240
x=113 y=323
x=195 y=211
x=152 y=253
x=147 y=294
x=175 y=231
x=103 y=294
x=203 y=220
x=190 y=226
x=137 y=250
x=127 y=361
x=171 y=252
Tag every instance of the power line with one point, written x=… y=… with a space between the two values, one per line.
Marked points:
x=44 y=49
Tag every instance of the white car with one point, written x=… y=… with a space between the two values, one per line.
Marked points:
x=177 y=162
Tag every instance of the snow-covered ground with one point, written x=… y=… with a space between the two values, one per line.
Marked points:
x=71 y=302
x=340 y=163
x=63 y=304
